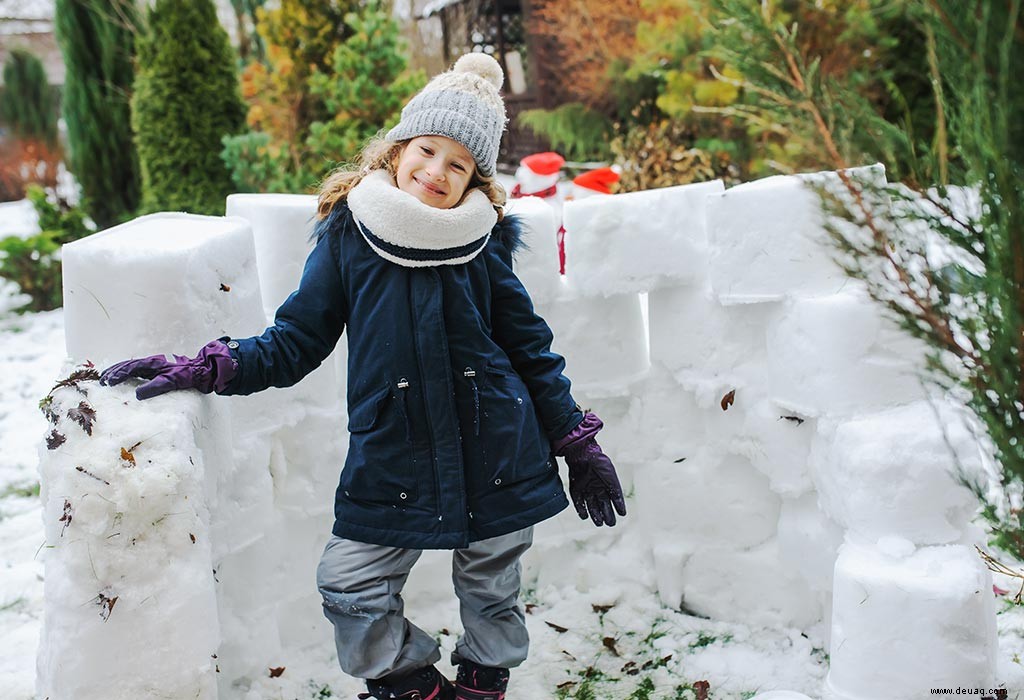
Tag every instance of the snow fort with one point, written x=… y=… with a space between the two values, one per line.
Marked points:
x=784 y=463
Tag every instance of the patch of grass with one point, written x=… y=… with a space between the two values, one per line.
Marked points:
x=30 y=490
x=586 y=687
x=684 y=692
x=703 y=640
x=655 y=633
x=643 y=691
x=319 y=691
x=1007 y=605
x=528 y=594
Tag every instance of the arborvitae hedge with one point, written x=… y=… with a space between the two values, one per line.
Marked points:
x=186 y=100
x=97 y=40
x=28 y=104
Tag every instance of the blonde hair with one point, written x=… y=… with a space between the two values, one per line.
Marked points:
x=381 y=154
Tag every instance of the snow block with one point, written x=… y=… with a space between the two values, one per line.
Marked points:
x=244 y=491
x=768 y=240
x=128 y=559
x=904 y=625
x=750 y=586
x=636 y=241
x=158 y=284
x=669 y=562
x=700 y=340
x=668 y=422
x=281 y=227
x=706 y=500
x=776 y=440
x=809 y=541
x=603 y=340
x=270 y=587
x=305 y=457
x=840 y=354
x=536 y=263
x=892 y=473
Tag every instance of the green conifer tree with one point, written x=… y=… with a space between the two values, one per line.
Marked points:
x=944 y=250
x=367 y=89
x=186 y=100
x=97 y=39
x=27 y=103
x=300 y=37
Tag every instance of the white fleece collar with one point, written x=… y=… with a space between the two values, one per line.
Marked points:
x=404 y=230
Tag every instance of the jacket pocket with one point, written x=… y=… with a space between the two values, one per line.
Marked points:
x=380 y=467
x=510 y=443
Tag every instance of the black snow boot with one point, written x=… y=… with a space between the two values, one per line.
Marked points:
x=422 y=684
x=476 y=682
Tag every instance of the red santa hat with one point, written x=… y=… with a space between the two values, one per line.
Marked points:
x=538 y=173
x=598 y=181
x=546 y=163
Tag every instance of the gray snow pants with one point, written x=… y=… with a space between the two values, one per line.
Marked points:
x=361 y=585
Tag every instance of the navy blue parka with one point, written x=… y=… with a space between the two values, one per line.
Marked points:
x=454 y=395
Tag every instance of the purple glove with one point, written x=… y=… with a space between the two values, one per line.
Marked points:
x=210 y=370
x=593 y=484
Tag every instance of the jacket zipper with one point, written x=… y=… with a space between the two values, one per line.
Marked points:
x=430 y=425
x=470 y=373
x=403 y=391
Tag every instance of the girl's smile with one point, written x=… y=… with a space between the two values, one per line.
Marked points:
x=436 y=170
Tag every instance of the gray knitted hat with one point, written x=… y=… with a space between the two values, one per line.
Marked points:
x=462 y=104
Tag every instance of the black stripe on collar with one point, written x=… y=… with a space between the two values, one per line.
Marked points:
x=424 y=254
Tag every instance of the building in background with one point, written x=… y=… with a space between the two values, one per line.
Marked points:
x=28 y=25
x=442 y=30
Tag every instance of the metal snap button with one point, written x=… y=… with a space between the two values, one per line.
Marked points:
x=403 y=496
x=519 y=399
x=497 y=482
x=233 y=344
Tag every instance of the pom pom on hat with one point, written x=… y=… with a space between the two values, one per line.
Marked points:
x=483 y=65
x=600 y=180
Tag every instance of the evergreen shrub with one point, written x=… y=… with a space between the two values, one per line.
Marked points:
x=28 y=105
x=186 y=101
x=97 y=39
x=33 y=262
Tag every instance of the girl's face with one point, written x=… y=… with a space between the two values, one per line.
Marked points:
x=435 y=170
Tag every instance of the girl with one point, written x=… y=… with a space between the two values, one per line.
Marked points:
x=456 y=405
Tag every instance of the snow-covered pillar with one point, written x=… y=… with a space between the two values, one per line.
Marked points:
x=913 y=607
x=130 y=608
x=905 y=586
x=129 y=487
x=291 y=443
x=281 y=228
x=716 y=442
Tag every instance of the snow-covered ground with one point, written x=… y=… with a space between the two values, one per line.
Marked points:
x=31 y=353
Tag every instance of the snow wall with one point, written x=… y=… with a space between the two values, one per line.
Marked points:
x=784 y=464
